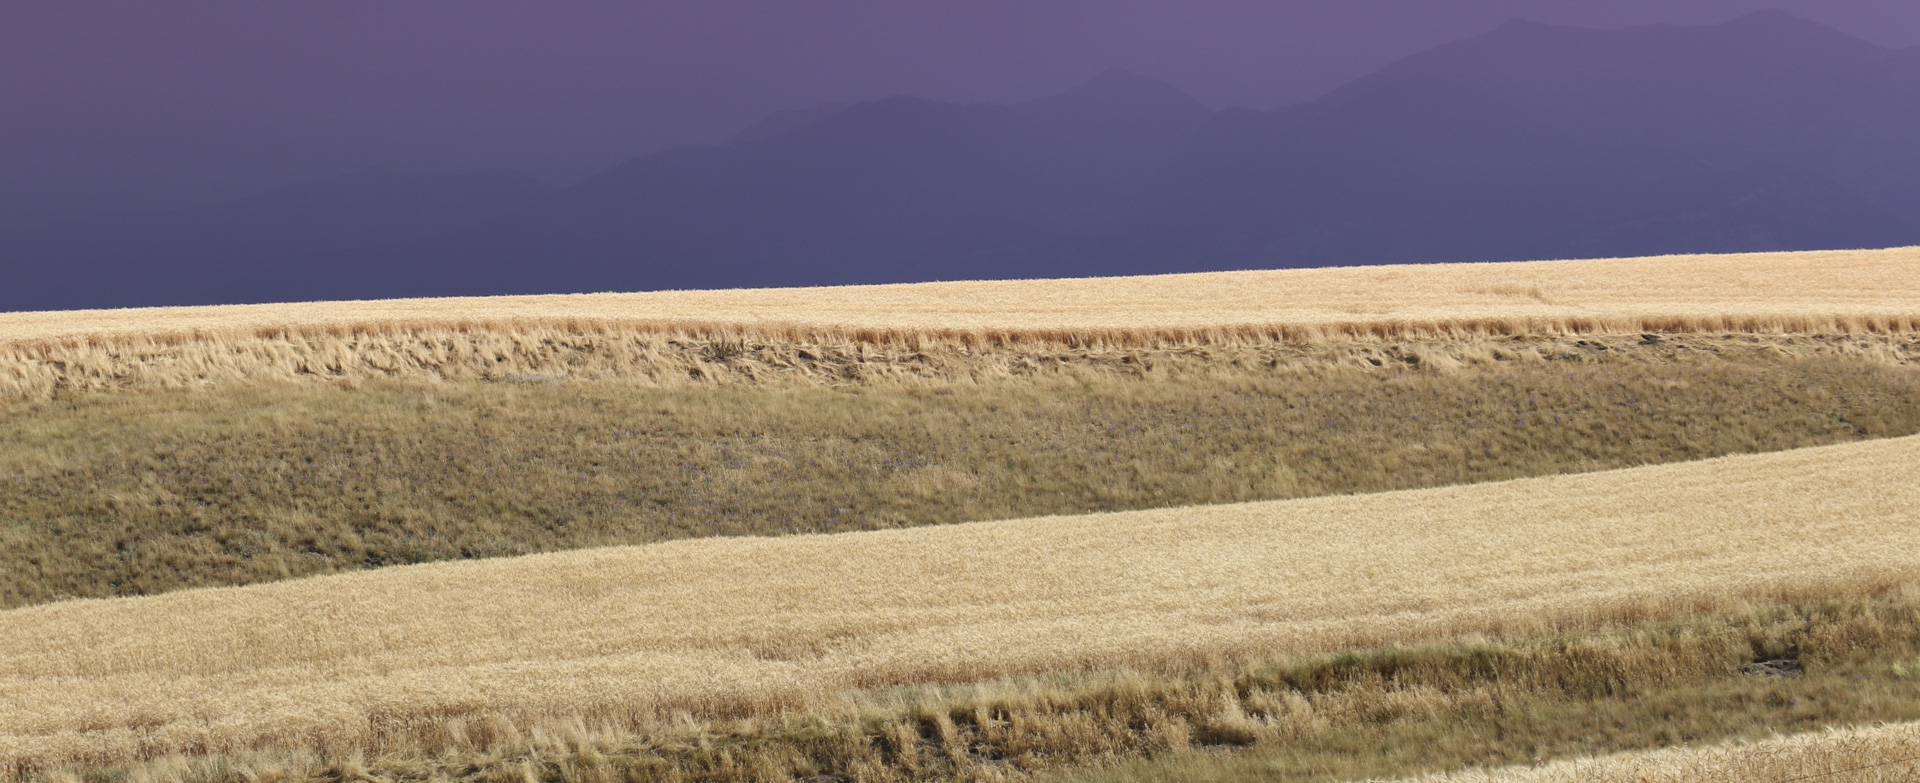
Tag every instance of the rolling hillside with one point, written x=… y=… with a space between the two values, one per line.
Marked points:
x=745 y=627
x=1358 y=522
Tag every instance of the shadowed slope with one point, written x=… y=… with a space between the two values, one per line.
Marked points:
x=145 y=492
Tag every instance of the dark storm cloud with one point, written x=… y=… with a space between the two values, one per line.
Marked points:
x=141 y=105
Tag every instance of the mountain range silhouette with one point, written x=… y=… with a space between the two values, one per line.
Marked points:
x=1532 y=141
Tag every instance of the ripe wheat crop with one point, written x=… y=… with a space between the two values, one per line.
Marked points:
x=1809 y=291
x=961 y=329
x=760 y=626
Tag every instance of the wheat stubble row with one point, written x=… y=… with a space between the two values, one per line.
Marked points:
x=738 y=626
x=1870 y=754
x=1860 y=290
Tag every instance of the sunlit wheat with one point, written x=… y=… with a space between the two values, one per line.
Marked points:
x=956 y=328
x=757 y=626
x=1831 y=290
x=1878 y=754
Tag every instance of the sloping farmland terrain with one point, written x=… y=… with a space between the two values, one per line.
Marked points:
x=766 y=627
x=121 y=493
x=1347 y=523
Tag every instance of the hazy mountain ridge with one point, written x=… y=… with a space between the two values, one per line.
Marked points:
x=1536 y=141
x=897 y=189
x=1131 y=121
x=781 y=123
x=1531 y=141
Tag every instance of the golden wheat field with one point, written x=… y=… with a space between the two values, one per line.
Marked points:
x=755 y=626
x=991 y=330
x=1877 y=754
x=1859 y=290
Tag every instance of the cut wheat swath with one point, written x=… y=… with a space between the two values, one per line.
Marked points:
x=1860 y=290
x=743 y=626
x=1877 y=754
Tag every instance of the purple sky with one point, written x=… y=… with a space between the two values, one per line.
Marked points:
x=141 y=105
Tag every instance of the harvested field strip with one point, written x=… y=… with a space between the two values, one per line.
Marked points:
x=1879 y=754
x=757 y=626
x=143 y=493
x=1821 y=292
x=1375 y=712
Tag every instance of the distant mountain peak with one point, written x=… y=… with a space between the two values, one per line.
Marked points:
x=1782 y=29
x=1772 y=16
x=1765 y=20
x=902 y=102
x=1522 y=23
x=1119 y=85
x=1780 y=21
x=1117 y=91
x=1117 y=76
x=1119 y=113
x=781 y=123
